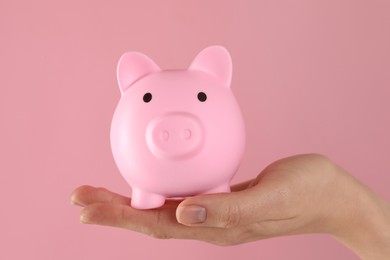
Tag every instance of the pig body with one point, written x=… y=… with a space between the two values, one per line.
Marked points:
x=176 y=133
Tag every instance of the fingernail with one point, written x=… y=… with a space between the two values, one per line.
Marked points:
x=74 y=200
x=83 y=219
x=191 y=215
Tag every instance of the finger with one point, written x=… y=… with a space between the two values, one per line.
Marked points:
x=159 y=223
x=229 y=210
x=86 y=195
x=126 y=217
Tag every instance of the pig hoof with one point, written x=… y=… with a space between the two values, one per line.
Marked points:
x=143 y=200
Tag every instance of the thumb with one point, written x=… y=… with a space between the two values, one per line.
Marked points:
x=223 y=210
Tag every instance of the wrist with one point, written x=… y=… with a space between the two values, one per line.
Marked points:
x=365 y=226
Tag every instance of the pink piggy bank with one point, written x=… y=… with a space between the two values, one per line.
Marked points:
x=176 y=133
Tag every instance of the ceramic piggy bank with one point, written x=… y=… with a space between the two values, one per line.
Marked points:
x=176 y=133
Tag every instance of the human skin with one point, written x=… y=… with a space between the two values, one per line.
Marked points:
x=296 y=195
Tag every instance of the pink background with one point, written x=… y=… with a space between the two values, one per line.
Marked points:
x=310 y=76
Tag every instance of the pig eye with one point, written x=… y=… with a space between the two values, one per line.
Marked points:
x=147 y=97
x=202 y=96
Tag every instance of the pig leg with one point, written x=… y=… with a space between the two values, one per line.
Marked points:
x=219 y=189
x=145 y=200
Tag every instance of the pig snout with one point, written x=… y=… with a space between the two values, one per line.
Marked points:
x=175 y=135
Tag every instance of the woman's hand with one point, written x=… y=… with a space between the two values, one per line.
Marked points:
x=295 y=195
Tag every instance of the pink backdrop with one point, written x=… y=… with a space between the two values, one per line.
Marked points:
x=310 y=76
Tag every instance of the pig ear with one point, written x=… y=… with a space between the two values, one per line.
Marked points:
x=215 y=60
x=133 y=66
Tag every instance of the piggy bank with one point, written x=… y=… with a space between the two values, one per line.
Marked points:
x=176 y=133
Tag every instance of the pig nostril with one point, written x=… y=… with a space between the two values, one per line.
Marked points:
x=187 y=134
x=164 y=135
